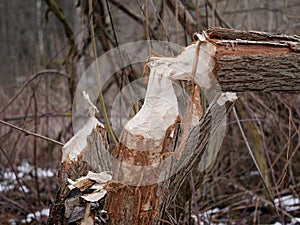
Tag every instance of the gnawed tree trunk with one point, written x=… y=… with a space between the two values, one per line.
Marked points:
x=158 y=148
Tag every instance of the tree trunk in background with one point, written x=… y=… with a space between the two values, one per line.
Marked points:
x=244 y=61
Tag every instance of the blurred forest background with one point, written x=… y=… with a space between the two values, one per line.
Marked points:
x=41 y=65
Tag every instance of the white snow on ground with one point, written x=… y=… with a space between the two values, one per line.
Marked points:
x=38 y=214
x=205 y=217
x=294 y=221
x=31 y=217
x=289 y=203
x=24 y=172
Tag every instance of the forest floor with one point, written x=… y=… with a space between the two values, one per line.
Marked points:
x=22 y=203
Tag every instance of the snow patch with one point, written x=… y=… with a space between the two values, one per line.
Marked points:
x=289 y=202
x=31 y=217
x=25 y=172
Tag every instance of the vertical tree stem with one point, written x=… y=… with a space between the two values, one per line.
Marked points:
x=101 y=99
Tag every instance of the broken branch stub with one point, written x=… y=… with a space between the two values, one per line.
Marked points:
x=83 y=174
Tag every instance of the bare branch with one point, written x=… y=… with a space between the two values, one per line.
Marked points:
x=73 y=48
x=31 y=133
x=184 y=17
x=43 y=72
x=133 y=15
x=219 y=16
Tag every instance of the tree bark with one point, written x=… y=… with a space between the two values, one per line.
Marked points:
x=256 y=61
x=243 y=61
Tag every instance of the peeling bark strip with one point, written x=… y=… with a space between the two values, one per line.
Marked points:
x=256 y=61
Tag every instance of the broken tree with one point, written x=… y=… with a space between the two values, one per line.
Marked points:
x=136 y=181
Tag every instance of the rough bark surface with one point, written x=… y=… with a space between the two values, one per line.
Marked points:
x=256 y=61
x=244 y=62
x=262 y=73
x=69 y=207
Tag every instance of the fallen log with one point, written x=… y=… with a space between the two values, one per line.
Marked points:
x=256 y=61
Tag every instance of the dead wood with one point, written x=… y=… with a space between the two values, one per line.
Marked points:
x=256 y=61
x=263 y=63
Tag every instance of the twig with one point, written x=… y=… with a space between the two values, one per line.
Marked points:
x=43 y=72
x=197 y=14
x=112 y=24
x=206 y=14
x=159 y=18
x=147 y=28
x=117 y=43
x=271 y=168
x=185 y=18
x=128 y=11
x=47 y=115
x=36 y=178
x=31 y=133
x=133 y=15
x=256 y=164
x=101 y=99
x=192 y=184
x=220 y=18
x=73 y=51
x=19 y=182
x=176 y=22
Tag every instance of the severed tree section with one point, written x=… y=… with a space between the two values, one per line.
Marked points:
x=256 y=61
x=136 y=182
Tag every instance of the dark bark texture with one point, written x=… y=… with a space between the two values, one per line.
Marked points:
x=256 y=61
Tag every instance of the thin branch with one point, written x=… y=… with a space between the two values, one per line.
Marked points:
x=19 y=182
x=31 y=133
x=61 y=17
x=128 y=11
x=47 y=115
x=43 y=72
x=73 y=49
x=133 y=15
x=218 y=15
x=159 y=18
x=101 y=99
x=256 y=164
x=112 y=23
x=185 y=18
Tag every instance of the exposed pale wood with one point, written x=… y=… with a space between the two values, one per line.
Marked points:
x=94 y=157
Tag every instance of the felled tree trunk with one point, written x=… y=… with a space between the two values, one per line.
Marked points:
x=158 y=147
x=256 y=61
